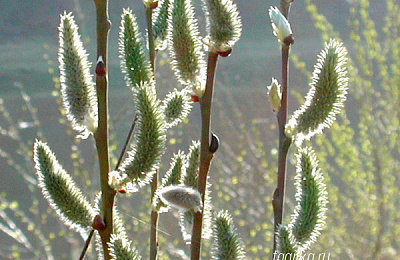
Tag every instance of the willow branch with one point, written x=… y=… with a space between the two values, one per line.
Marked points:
x=101 y=135
x=284 y=141
x=205 y=156
x=154 y=183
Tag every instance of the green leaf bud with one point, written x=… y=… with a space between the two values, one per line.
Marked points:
x=326 y=96
x=224 y=26
x=122 y=249
x=134 y=63
x=61 y=191
x=176 y=106
x=78 y=91
x=280 y=25
x=311 y=196
x=227 y=244
x=275 y=94
x=186 y=47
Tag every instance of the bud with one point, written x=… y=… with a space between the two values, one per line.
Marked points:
x=182 y=198
x=214 y=145
x=61 y=191
x=98 y=223
x=225 y=53
x=120 y=182
x=100 y=67
x=172 y=177
x=227 y=244
x=78 y=91
x=134 y=63
x=281 y=26
x=198 y=88
x=275 y=95
x=176 y=107
x=311 y=197
x=121 y=248
x=326 y=95
x=150 y=4
x=160 y=24
x=224 y=26
x=186 y=47
x=195 y=98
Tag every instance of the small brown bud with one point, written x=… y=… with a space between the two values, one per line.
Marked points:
x=100 y=67
x=225 y=53
x=153 y=5
x=98 y=223
x=289 y=40
x=122 y=190
x=195 y=98
x=214 y=143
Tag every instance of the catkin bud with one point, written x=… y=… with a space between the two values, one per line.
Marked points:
x=77 y=87
x=326 y=96
x=227 y=244
x=61 y=191
x=134 y=63
x=160 y=24
x=275 y=95
x=121 y=248
x=172 y=177
x=182 y=198
x=176 y=106
x=285 y=242
x=311 y=196
x=281 y=26
x=186 y=47
x=224 y=25
x=144 y=158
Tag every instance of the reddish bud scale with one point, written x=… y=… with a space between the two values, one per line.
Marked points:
x=225 y=53
x=100 y=68
x=195 y=98
x=123 y=191
x=153 y=5
x=98 y=223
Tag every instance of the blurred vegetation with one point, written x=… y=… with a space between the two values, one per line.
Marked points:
x=360 y=156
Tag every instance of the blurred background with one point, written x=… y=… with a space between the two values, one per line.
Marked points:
x=359 y=155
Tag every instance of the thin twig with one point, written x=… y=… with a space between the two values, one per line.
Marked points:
x=284 y=141
x=87 y=243
x=205 y=156
x=127 y=141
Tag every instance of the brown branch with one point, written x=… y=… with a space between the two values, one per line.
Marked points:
x=154 y=183
x=87 y=243
x=205 y=156
x=284 y=141
x=101 y=135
